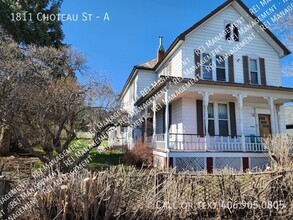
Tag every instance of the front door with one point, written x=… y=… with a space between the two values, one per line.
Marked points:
x=264 y=122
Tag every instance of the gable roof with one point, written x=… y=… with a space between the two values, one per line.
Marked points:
x=183 y=35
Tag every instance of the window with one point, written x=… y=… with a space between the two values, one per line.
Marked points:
x=228 y=31
x=214 y=67
x=218 y=120
x=221 y=68
x=207 y=71
x=253 y=69
x=211 y=118
x=232 y=32
x=223 y=120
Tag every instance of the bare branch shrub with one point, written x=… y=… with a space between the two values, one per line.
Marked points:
x=141 y=154
x=280 y=149
x=121 y=193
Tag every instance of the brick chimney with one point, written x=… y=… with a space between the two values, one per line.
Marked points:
x=161 y=51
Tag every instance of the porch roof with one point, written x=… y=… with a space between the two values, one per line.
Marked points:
x=219 y=84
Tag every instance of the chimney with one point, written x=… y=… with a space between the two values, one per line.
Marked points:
x=161 y=51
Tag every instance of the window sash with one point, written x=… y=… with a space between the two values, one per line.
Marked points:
x=253 y=71
x=207 y=72
x=254 y=77
x=214 y=68
x=223 y=127
x=218 y=120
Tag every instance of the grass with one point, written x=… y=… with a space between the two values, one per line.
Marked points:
x=103 y=160
x=100 y=160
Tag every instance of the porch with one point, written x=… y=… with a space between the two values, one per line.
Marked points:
x=198 y=143
x=213 y=119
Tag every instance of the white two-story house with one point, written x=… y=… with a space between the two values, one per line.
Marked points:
x=206 y=102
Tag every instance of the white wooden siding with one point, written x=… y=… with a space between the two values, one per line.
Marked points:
x=257 y=47
x=129 y=98
x=184 y=111
x=177 y=122
x=144 y=80
x=176 y=64
x=189 y=116
x=159 y=121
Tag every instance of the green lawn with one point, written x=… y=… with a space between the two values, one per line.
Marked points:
x=100 y=160
x=103 y=160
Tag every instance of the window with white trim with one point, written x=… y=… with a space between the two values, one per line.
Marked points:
x=218 y=119
x=211 y=117
x=214 y=67
x=223 y=120
x=253 y=71
x=220 y=68
x=207 y=70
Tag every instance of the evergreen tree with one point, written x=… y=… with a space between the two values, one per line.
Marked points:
x=31 y=31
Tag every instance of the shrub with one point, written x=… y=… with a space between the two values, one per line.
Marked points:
x=279 y=149
x=139 y=155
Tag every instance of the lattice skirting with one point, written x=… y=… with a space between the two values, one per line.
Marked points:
x=189 y=163
x=259 y=163
x=228 y=162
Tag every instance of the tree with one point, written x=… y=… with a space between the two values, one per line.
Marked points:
x=27 y=29
x=32 y=29
x=41 y=101
x=284 y=27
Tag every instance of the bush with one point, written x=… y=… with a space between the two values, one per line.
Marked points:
x=141 y=154
x=279 y=149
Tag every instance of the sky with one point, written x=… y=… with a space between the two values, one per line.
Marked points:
x=126 y=31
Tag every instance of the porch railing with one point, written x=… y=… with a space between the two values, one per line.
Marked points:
x=212 y=143
x=254 y=143
x=225 y=143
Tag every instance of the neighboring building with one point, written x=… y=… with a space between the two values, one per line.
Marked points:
x=219 y=120
x=289 y=120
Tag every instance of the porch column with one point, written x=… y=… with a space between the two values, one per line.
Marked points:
x=240 y=103
x=167 y=142
x=146 y=123
x=205 y=104
x=280 y=115
x=272 y=113
x=154 y=119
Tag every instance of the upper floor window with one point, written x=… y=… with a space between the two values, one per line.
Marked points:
x=253 y=71
x=214 y=67
x=207 y=70
x=220 y=68
x=232 y=32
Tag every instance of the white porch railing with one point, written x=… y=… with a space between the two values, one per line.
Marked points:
x=254 y=143
x=213 y=143
x=220 y=143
